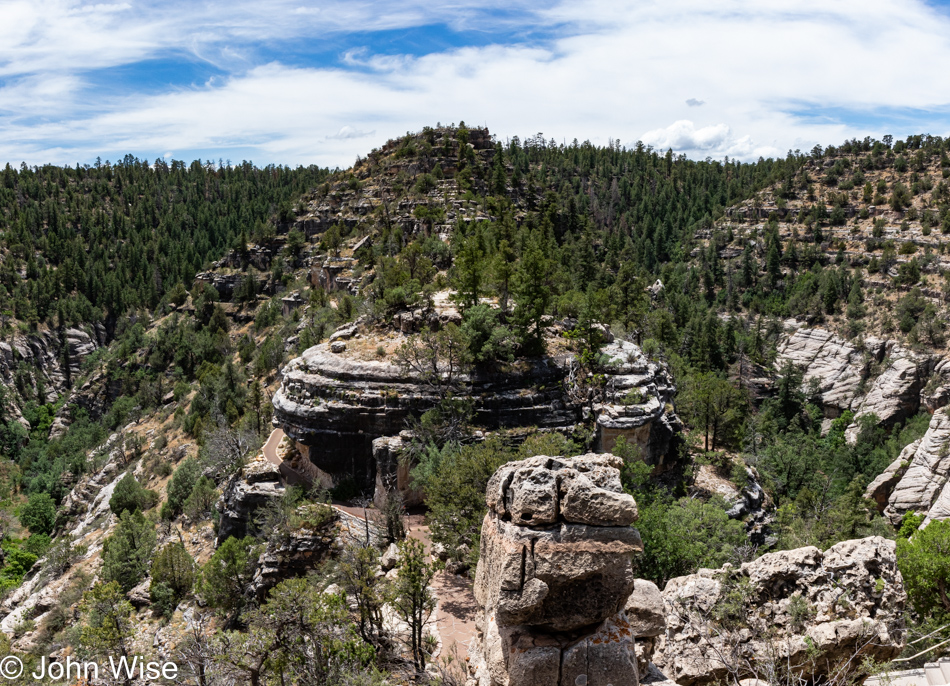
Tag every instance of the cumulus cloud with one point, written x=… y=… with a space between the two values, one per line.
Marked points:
x=603 y=69
x=716 y=140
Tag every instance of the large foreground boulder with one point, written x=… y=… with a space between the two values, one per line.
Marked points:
x=555 y=575
x=812 y=609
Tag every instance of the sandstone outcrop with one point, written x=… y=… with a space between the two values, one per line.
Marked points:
x=334 y=405
x=555 y=574
x=781 y=606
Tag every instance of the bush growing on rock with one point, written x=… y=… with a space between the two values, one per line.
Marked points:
x=129 y=495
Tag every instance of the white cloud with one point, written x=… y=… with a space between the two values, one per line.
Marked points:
x=349 y=132
x=716 y=140
x=627 y=70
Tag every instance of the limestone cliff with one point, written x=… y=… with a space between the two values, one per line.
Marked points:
x=872 y=376
x=917 y=480
x=336 y=399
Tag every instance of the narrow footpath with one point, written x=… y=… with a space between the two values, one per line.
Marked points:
x=456 y=610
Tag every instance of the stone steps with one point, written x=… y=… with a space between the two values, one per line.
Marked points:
x=933 y=674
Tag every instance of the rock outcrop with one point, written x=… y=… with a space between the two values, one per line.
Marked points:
x=322 y=532
x=45 y=363
x=895 y=395
x=782 y=607
x=838 y=367
x=555 y=574
x=335 y=404
x=258 y=484
x=917 y=480
x=877 y=377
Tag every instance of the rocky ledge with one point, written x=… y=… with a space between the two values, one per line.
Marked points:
x=555 y=580
x=805 y=607
x=334 y=402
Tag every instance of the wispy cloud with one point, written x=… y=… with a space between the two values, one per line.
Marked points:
x=307 y=82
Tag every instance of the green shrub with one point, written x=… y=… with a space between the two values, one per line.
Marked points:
x=39 y=514
x=37 y=544
x=201 y=499
x=130 y=495
x=127 y=552
x=924 y=562
x=224 y=579
x=179 y=488
x=173 y=575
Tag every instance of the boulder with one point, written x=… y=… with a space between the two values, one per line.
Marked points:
x=782 y=607
x=390 y=558
x=555 y=577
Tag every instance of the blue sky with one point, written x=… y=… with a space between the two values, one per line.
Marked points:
x=298 y=82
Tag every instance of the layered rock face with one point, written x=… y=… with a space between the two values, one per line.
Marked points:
x=555 y=575
x=783 y=607
x=847 y=380
x=917 y=480
x=54 y=361
x=334 y=402
x=837 y=366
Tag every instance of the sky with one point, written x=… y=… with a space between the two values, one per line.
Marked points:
x=294 y=82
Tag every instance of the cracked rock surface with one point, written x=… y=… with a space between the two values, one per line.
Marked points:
x=806 y=606
x=555 y=577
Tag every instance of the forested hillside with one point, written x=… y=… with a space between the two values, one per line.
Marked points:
x=148 y=311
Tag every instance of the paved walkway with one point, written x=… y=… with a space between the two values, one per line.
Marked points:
x=270 y=448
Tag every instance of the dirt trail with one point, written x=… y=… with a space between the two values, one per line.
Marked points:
x=456 y=611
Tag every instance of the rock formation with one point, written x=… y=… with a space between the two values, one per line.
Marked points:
x=255 y=486
x=779 y=608
x=916 y=480
x=47 y=362
x=837 y=366
x=555 y=575
x=878 y=377
x=336 y=399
